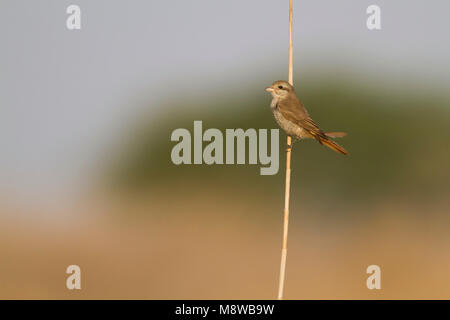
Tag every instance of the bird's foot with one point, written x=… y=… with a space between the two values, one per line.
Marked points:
x=289 y=147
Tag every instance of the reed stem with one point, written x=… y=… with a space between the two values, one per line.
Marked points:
x=288 y=176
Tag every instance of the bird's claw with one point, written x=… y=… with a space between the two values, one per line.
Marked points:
x=289 y=147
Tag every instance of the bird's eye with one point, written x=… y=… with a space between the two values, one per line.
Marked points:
x=280 y=87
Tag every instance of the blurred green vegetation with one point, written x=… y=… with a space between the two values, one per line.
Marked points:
x=398 y=140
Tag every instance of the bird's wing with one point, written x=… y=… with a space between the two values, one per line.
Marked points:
x=293 y=110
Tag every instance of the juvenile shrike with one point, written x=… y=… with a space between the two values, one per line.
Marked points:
x=293 y=118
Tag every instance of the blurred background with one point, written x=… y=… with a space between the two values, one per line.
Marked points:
x=86 y=176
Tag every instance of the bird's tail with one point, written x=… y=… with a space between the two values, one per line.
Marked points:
x=335 y=134
x=333 y=145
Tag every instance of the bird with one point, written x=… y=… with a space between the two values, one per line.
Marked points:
x=294 y=119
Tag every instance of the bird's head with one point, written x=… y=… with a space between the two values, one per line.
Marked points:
x=280 y=89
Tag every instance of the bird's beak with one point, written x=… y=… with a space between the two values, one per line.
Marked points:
x=269 y=89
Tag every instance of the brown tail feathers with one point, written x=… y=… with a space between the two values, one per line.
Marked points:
x=333 y=145
x=335 y=134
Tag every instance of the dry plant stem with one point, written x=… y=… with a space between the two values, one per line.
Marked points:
x=288 y=176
